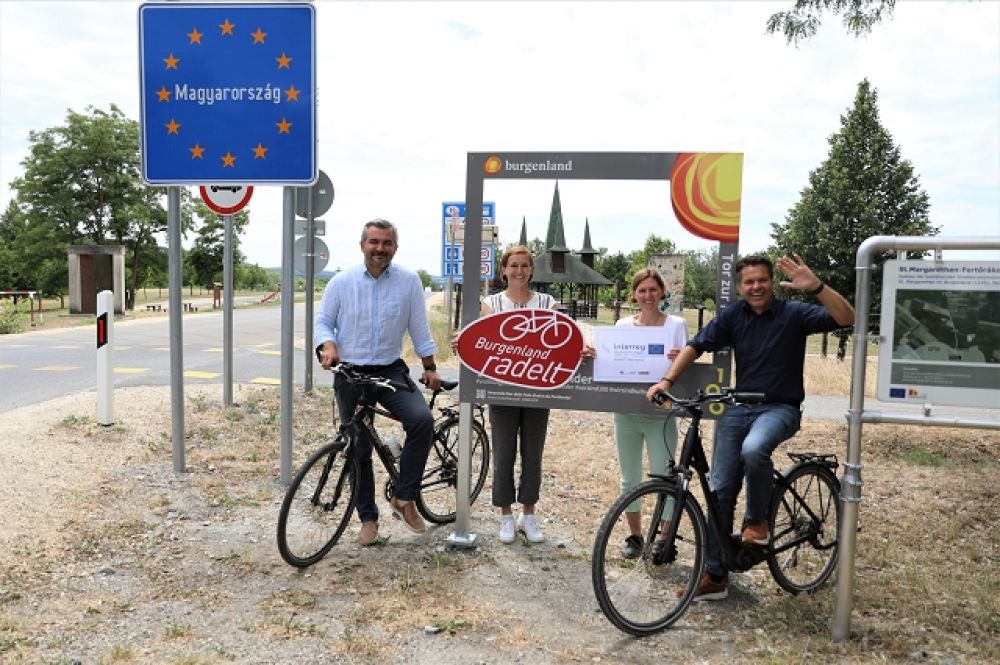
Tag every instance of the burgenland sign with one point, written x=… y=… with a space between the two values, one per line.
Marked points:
x=532 y=348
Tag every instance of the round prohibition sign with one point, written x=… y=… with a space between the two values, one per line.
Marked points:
x=226 y=199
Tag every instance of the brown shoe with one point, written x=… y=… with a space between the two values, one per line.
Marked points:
x=708 y=589
x=368 y=534
x=755 y=533
x=408 y=513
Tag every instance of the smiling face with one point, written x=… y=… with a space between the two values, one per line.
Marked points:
x=757 y=287
x=378 y=246
x=517 y=268
x=648 y=293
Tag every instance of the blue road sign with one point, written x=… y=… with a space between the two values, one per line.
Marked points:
x=228 y=93
x=452 y=264
x=452 y=219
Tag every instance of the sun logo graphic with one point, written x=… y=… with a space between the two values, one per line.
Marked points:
x=492 y=165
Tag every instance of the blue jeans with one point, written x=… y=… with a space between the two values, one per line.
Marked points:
x=418 y=423
x=746 y=435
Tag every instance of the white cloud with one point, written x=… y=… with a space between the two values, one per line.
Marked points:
x=407 y=89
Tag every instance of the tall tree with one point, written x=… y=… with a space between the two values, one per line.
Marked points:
x=864 y=188
x=82 y=184
x=860 y=16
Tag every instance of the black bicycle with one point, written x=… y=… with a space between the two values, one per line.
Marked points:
x=646 y=594
x=320 y=501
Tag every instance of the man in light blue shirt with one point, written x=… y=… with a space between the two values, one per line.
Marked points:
x=361 y=320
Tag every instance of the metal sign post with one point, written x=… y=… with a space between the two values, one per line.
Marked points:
x=226 y=200
x=208 y=92
x=227 y=313
x=310 y=202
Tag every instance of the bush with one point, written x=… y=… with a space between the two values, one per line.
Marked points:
x=12 y=318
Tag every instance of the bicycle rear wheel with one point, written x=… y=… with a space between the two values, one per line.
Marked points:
x=317 y=506
x=637 y=595
x=805 y=517
x=437 y=500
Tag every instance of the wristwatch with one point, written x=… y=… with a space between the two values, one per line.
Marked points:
x=818 y=289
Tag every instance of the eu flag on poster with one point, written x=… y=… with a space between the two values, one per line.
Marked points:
x=228 y=93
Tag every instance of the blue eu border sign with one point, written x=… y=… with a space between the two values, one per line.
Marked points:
x=228 y=93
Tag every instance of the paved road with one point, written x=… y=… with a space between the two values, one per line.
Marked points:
x=40 y=365
x=37 y=366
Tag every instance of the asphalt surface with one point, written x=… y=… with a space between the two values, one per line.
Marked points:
x=39 y=365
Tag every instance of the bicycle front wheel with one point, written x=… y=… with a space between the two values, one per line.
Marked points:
x=805 y=517
x=317 y=506
x=438 y=500
x=638 y=595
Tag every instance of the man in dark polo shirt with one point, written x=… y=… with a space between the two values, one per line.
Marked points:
x=768 y=337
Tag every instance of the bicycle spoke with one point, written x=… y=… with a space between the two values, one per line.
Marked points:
x=804 y=520
x=316 y=508
x=638 y=595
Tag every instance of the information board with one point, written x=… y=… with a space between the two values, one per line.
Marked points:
x=941 y=333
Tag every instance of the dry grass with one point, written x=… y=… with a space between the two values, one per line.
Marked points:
x=147 y=566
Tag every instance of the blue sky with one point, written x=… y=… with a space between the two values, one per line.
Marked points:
x=406 y=89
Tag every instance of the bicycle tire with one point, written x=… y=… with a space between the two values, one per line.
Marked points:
x=317 y=506
x=438 y=500
x=637 y=595
x=806 y=566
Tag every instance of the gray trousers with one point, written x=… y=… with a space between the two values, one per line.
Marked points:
x=517 y=428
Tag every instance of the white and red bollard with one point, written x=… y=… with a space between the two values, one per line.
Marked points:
x=105 y=370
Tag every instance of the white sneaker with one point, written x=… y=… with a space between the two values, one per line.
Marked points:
x=507 y=532
x=529 y=526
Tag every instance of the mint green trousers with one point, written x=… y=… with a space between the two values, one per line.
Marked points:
x=633 y=432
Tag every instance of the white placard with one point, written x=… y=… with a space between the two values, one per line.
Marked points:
x=631 y=354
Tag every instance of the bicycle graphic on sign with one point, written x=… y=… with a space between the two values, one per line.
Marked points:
x=552 y=332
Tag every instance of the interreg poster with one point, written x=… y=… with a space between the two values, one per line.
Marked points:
x=941 y=333
x=631 y=355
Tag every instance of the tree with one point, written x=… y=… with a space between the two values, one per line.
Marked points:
x=701 y=277
x=860 y=16
x=654 y=245
x=864 y=188
x=81 y=185
x=208 y=252
x=33 y=253
x=425 y=277
x=617 y=268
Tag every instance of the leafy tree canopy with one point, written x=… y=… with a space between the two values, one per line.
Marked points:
x=864 y=188
x=802 y=21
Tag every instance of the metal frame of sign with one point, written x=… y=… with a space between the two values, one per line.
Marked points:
x=701 y=207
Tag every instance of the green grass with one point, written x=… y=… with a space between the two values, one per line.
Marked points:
x=921 y=457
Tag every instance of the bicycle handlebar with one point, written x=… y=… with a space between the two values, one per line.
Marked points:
x=726 y=395
x=350 y=372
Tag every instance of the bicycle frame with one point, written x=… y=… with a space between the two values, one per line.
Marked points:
x=693 y=461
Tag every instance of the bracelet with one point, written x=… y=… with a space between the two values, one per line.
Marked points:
x=430 y=368
x=667 y=378
x=818 y=289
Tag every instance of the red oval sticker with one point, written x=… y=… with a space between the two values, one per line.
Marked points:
x=533 y=348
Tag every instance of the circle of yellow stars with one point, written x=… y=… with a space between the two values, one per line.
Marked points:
x=284 y=61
